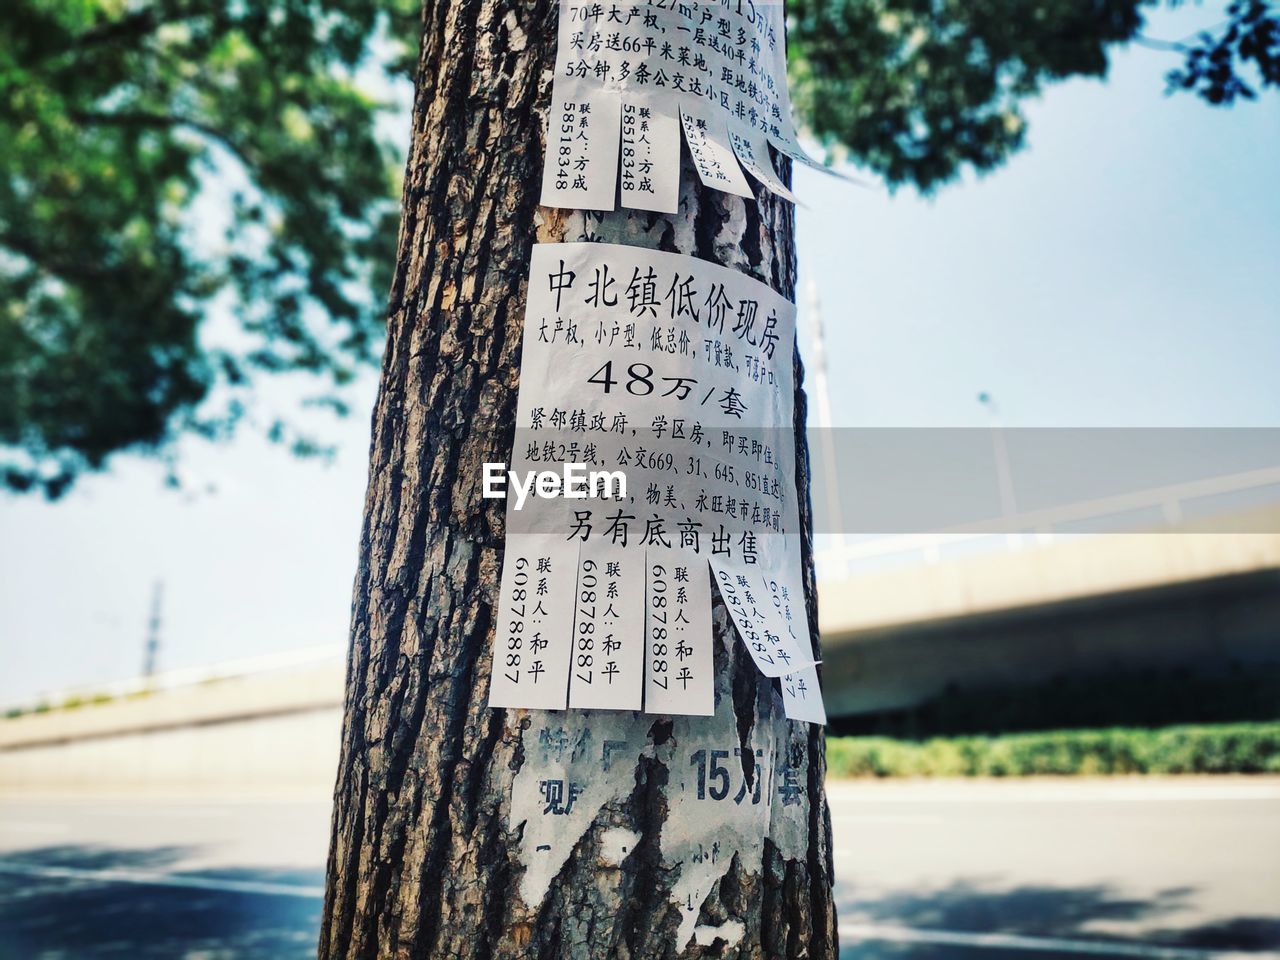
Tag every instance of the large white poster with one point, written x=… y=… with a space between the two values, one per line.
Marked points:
x=670 y=376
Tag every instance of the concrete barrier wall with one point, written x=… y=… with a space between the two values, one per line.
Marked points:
x=262 y=732
x=313 y=687
x=262 y=754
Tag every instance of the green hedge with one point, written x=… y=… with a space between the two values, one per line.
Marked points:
x=1226 y=748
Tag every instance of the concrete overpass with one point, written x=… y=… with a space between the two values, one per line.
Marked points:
x=896 y=636
x=905 y=619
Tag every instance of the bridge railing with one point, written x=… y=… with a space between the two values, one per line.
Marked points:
x=1169 y=509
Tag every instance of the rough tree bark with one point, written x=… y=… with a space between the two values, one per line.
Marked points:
x=425 y=861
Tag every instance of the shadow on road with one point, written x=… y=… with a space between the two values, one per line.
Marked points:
x=1071 y=913
x=96 y=918
x=71 y=917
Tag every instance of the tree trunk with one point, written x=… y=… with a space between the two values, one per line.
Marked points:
x=425 y=859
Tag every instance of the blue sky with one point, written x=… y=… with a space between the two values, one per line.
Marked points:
x=1123 y=270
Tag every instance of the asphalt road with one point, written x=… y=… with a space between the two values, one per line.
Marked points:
x=1188 y=870
x=1175 y=868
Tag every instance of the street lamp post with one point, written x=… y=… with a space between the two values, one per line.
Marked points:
x=1004 y=475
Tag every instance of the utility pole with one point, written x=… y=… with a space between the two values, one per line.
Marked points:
x=1004 y=473
x=838 y=568
x=152 y=653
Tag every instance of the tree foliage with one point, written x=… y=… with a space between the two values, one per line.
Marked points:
x=115 y=116
x=112 y=117
x=920 y=90
x=1217 y=63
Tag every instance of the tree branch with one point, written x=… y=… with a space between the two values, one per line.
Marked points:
x=139 y=118
x=136 y=24
x=1166 y=46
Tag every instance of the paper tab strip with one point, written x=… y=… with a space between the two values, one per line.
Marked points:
x=771 y=644
x=712 y=156
x=802 y=697
x=581 y=167
x=650 y=158
x=607 y=672
x=680 y=664
x=533 y=639
x=753 y=153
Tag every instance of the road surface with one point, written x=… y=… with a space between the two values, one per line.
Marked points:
x=1163 y=870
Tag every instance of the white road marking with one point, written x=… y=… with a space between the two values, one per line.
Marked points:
x=885 y=818
x=159 y=879
x=1007 y=941
x=849 y=793
x=183 y=811
x=34 y=826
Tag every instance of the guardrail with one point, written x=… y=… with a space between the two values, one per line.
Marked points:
x=835 y=561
